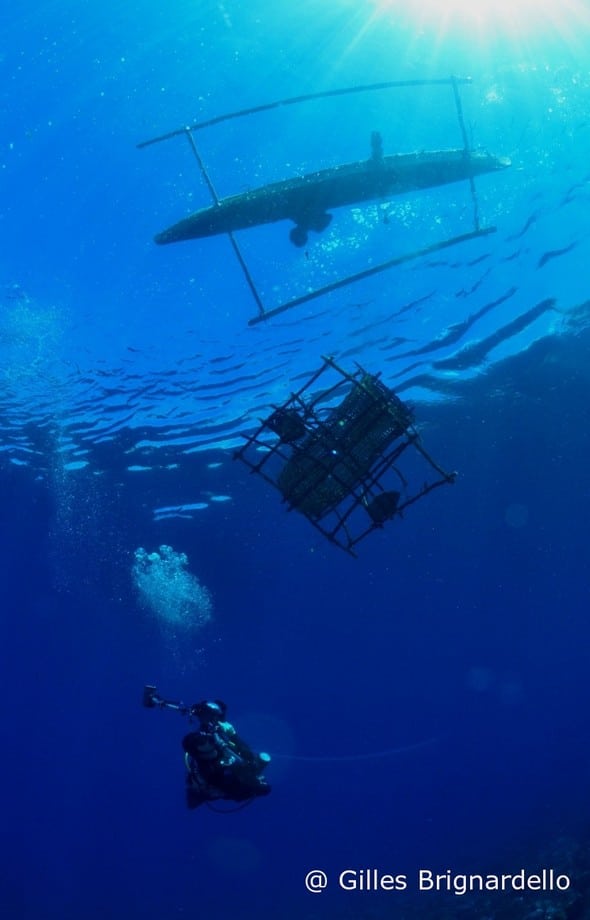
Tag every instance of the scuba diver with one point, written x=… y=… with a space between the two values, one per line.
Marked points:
x=220 y=765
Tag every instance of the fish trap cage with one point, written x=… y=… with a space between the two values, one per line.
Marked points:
x=338 y=451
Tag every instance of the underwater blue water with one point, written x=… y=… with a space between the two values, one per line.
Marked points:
x=424 y=703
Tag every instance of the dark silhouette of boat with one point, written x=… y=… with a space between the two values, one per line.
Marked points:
x=308 y=200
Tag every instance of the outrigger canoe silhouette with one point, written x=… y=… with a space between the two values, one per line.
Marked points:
x=308 y=201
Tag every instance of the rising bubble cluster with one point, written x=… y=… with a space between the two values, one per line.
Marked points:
x=169 y=591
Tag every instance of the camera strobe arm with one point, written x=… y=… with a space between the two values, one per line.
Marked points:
x=152 y=700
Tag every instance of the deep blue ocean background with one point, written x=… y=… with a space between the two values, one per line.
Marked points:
x=426 y=703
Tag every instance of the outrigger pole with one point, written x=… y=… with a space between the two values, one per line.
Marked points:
x=368 y=272
x=466 y=149
x=232 y=239
x=308 y=97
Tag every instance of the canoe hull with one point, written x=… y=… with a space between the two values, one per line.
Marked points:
x=308 y=200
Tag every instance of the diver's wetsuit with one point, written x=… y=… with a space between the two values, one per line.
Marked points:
x=221 y=766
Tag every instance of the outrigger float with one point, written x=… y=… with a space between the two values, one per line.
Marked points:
x=308 y=200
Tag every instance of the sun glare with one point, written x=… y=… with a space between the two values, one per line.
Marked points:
x=514 y=18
